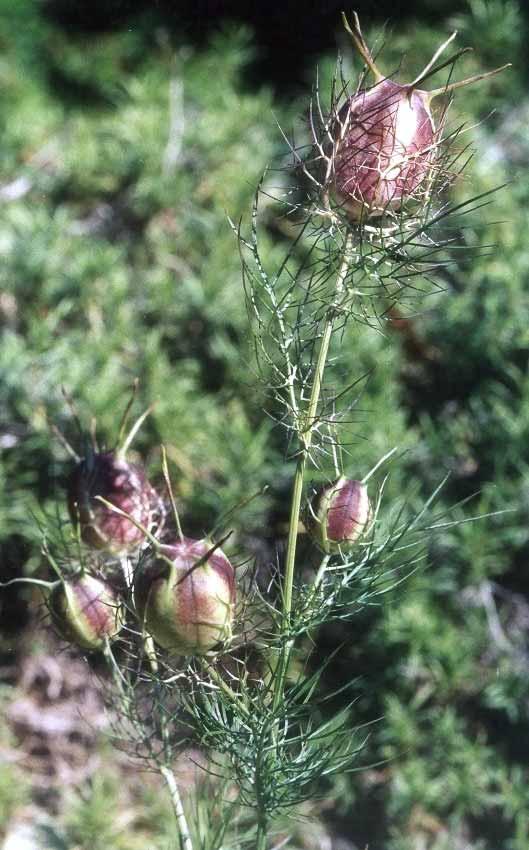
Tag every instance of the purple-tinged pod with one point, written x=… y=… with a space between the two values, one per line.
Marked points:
x=122 y=484
x=385 y=141
x=385 y=147
x=185 y=596
x=86 y=611
x=340 y=513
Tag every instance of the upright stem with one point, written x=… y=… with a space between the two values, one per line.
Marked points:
x=295 y=508
x=176 y=800
x=261 y=835
x=165 y=769
x=306 y=437
x=280 y=667
x=299 y=476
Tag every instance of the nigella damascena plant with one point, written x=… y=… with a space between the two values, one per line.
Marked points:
x=339 y=515
x=185 y=596
x=386 y=140
x=85 y=611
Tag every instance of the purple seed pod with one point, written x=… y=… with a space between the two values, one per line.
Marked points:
x=340 y=514
x=124 y=485
x=85 y=611
x=385 y=140
x=385 y=149
x=185 y=596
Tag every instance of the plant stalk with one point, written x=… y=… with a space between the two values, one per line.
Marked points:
x=176 y=800
x=261 y=836
x=299 y=476
x=165 y=769
x=223 y=686
x=321 y=572
x=306 y=438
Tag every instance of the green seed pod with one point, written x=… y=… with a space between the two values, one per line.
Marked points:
x=85 y=611
x=185 y=597
x=340 y=514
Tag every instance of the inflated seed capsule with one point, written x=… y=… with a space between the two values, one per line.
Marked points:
x=85 y=611
x=385 y=139
x=185 y=596
x=340 y=514
x=387 y=146
x=122 y=484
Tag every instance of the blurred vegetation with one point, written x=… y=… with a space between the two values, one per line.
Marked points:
x=121 y=157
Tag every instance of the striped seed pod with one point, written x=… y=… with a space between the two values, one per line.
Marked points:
x=185 y=596
x=85 y=611
x=339 y=515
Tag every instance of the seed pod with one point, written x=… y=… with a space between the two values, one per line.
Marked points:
x=385 y=141
x=124 y=485
x=85 y=611
x=185 y=596
x=340 y=514
x=385 y=148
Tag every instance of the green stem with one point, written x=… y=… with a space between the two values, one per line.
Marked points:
x=261 y=836
x=321 y=572
x=299 y=476
x=306 y=436
x=165 y=770
x=219 y=681
x=295 y=509
x=176 y=800
x=280 y=666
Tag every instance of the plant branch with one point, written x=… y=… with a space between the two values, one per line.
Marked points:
x=306 y=437
x=223 y=686
x=299 y=476
x=165 y=769
x=321 y=572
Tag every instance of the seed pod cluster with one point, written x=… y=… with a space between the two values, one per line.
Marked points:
x=184 y=591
